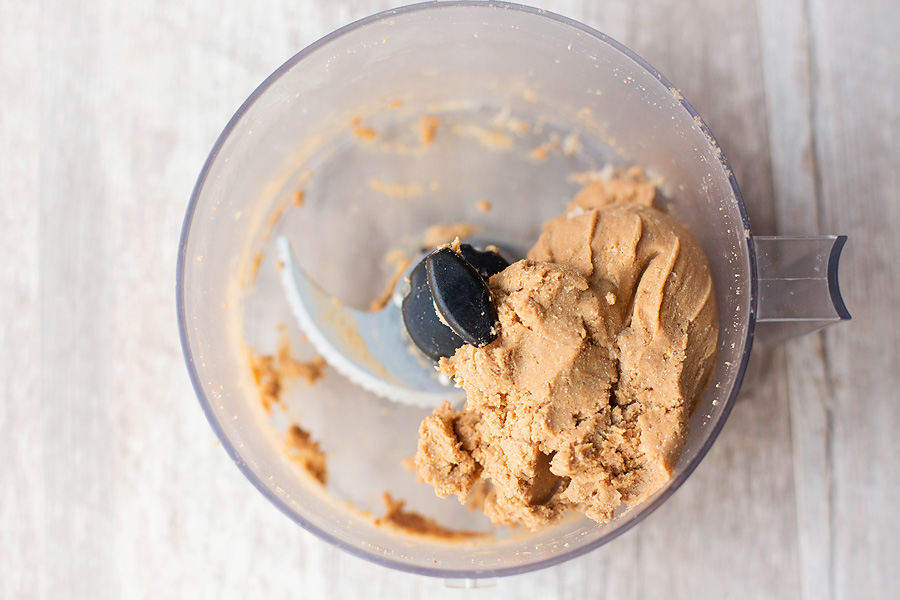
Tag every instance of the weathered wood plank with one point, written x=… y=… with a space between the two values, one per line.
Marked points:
x=789 y=75
x=830 y=95
x=21 y=475
x=116 y=488
x=76 y=308
x=855 y=117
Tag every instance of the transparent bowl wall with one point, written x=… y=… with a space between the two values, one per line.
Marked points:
x=441 y=56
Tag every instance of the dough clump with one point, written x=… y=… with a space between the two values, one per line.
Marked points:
x=607 y=336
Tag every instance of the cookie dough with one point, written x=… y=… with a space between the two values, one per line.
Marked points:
x=301 y=448
x=269 y=372
x=608 y=334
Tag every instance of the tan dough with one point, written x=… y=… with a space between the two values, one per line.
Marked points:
x=301 y=448
x=608 y=334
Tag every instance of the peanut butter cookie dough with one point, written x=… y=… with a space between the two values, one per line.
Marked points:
x=607 y=335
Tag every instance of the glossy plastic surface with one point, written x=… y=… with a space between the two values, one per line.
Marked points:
x=799 y=289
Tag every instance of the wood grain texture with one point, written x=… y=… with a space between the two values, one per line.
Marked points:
x=855 y=119
x=789 y=76
x=112 y=485
x=22 y=496
x=830 y=103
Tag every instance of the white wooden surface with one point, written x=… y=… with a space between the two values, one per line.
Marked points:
x=111 y=484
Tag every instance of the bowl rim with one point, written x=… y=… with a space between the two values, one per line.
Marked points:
x=645 y=509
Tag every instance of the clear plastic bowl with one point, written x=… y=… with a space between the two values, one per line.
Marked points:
x=482 y=68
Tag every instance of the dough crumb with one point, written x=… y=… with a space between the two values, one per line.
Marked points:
x=440 y=234
x=310 y=371
x=269 y=372
x=454 y=245
x=428 y=126
x=543 y=151
x=303 y=450
x=412 y=522
x=299 y=198
x=483 y=206
x=268 y=380
x=395 y=104
x=366 y=134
